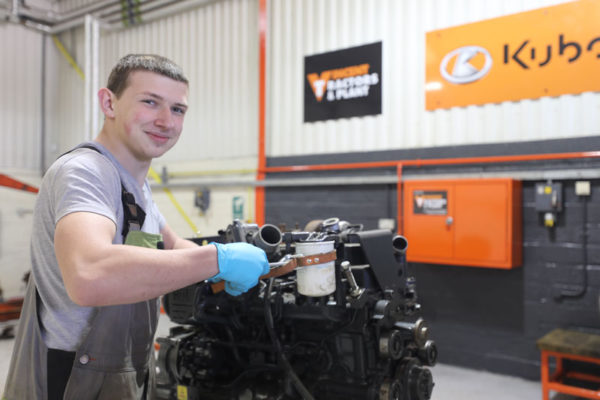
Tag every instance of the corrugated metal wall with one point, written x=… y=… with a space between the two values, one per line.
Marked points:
x=63 y=6
x=301 y=28
x=64 y=95
x=20 y=103
x=217 y=46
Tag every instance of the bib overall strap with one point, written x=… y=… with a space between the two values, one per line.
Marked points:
x=134 y=214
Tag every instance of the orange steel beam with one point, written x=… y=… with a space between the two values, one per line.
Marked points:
x=439 y=161
x=583 y=376
x=573 y=391
x=593 y=360
x=262 y=160
x=7 y=181
x=399 y=164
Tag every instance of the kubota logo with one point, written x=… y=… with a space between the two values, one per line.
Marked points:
x=343 y=83
x=466 y=64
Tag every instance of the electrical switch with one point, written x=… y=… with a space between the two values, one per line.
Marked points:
x=548 y=200
x=582 y=188
x=549 y=219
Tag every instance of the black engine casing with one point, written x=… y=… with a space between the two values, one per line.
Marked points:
x=364 y=341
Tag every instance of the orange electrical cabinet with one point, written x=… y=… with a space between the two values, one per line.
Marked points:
x=470 y=222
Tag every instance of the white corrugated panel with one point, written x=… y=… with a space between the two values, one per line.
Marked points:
x=302 y=28
x=64 y=6
x=217 y=46
x=65 y=95
x=20 y=104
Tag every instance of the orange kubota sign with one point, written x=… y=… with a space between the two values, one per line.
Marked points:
x=546 y=52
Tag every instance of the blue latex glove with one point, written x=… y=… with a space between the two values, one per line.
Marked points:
x=240 y=265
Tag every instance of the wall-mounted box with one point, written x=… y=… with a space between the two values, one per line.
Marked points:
x=470 y=222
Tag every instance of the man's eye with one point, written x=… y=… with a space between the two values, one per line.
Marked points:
x=179 y=110
x=149 y=101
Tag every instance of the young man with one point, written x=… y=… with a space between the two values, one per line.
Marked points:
x=91 y=309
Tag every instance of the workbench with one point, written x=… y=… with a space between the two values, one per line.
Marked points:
x=569 y=345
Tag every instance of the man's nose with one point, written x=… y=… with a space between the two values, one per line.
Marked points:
x=164 y=119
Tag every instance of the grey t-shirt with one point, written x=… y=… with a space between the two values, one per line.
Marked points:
x=82 y=180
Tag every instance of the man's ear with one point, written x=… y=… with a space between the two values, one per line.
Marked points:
x=106 y=99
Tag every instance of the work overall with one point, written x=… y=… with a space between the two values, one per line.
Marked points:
x=114 y=362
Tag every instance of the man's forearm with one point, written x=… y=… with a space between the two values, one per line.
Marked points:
x=129 y=274
x=184 y=244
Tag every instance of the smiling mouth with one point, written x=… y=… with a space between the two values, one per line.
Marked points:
x=157 y=137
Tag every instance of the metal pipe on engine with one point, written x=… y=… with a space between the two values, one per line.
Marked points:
x=268 y=238
x=399 y=243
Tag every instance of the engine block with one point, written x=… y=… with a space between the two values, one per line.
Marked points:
x=357 y=337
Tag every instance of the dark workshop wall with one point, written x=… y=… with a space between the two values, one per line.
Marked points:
x=480 y=318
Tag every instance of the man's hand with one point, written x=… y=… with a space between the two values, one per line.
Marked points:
x=240 y=266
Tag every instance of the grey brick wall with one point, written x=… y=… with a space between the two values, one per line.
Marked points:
x=481 y=318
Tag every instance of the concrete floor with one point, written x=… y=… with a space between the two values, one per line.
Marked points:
x=451 y=383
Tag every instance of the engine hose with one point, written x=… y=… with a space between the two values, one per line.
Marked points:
x=282 y=358
x=234 y=348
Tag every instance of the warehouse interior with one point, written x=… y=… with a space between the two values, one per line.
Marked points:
x=469 y=128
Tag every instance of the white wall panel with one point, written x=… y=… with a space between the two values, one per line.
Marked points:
x=16 y=220
x=302 y=28
x=217 y=46
x=20 y=103
x=64 y=95
x=64 y=6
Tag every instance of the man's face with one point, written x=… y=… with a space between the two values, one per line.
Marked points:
x=149 y=114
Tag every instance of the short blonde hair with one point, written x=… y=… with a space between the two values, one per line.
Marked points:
x=119 y=76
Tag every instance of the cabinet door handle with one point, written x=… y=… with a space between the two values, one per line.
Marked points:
x=449 y=221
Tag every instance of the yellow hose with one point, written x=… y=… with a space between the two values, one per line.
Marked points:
x=66 y=54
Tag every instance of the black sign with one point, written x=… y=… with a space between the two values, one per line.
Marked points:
x=430 y=202
x=343 y=83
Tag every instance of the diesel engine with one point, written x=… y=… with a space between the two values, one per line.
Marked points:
x=336 y=318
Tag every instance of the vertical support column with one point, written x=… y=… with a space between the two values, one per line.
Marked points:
x=399 y=201
x=87 y=69
x=43 y=143
x=90 y=101
x=559 y=367
x=262 y=60
x=94 y=76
